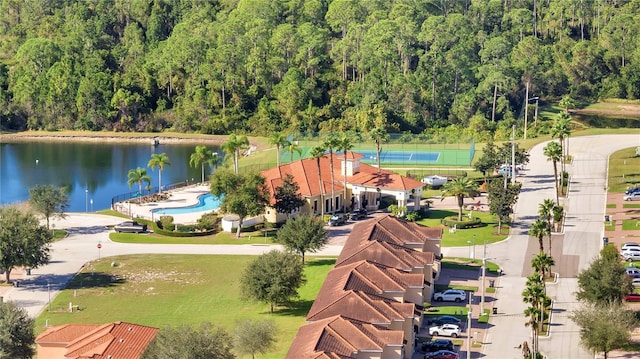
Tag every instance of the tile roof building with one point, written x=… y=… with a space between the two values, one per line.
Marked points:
x=118 y=340
x=365 y=185
x=382 y=277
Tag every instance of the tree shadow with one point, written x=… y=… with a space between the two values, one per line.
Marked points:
x=95 y=280
x=299 y=308
x=319 y=262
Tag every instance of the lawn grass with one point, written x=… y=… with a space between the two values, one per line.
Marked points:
x=443 y=287
x=630 y=224
x=610 y=226
x=623 y=170
x=161 y=290
x=631 y=205
x=456 y=263
x=611 y=205
x=477 y=236
x=252 y=238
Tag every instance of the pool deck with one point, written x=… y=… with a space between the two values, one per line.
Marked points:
x=182 y=197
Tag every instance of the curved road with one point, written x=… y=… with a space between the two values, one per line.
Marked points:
x=583 y=232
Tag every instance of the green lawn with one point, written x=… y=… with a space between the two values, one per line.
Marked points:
x=631 y=205
x=219 y=238
x=623 y=170
x=476 y=236
x=611 y=205
x=630 y=224
x=161 y=290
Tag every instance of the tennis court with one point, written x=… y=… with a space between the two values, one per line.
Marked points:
x=391 y=157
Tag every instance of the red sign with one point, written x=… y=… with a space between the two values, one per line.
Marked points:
x=99 y=245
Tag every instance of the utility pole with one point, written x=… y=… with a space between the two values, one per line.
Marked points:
x=513 y=152
x=482 y=285
x=469 y=327
x=526 y=108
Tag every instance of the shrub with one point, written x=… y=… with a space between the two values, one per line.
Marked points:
x=166 y=222
x=413 y=216
x=208 y=221
x=465 y=223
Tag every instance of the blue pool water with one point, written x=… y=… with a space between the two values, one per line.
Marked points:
x=398 y=156
x=206 y=202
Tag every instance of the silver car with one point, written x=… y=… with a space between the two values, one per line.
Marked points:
x=635 y=196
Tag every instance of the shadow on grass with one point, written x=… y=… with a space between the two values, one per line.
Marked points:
x=298 y=308
x=95 y=280
x=320 y=262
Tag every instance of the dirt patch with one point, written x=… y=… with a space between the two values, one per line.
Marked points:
x=611 y=109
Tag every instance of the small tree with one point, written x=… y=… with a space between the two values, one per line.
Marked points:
x=553 y=152
x=459 y=188
x=288 y=197
x=539 y=229
x=542 y=263
x=206 y=341
x=203 y=156
x=273 y=278
x=138 y=176
x=159 y=160
x=23 y=241
x=242 y=194
x=488 y=162
x=279 y=140
x=604 y=282
x=233 y=147
x=49 y=200
x=16 y=332
x=255 y=336
x=604 y=328
x=502 y=197
x=303 y=234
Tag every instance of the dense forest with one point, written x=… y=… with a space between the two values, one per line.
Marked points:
x=258 y=66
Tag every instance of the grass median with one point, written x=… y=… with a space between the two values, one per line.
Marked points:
x=169 y=290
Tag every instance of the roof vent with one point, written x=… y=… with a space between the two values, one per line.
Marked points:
x=121 y=340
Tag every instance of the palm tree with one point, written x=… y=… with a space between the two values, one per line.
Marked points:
x=159 y=160
x=460 y=188
x=344 y=145
x=539 y=229
x=279 y=140
x=561 y=129
x=202 y=156
x=378 y=135
x=331 y=143
x=545 y=210
x=317 y=153
x=138 y=175
x=233 y=147
x=293 y=147
x=553 y=152
x=566 y=102
x=542 y=263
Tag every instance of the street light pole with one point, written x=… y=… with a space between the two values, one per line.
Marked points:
x=526 y=108
x=91 y=202
x=513 y=152
x=86 y=200
x=469 y=328
x=49 y=292
x=484 y=267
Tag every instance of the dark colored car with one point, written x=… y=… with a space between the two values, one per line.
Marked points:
x=337 y=220
x=358 y=214
x=442 y=354
x=445 y=319
x=632 y=297
x=130 y=227
x=436 y=345
x=632 y=190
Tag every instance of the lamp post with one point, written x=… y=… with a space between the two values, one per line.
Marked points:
x=91 y=202
x=49 y=292
x=86 y=200
x=535 y=113
x=469 y=329
x=474 y=247
x=469 y=245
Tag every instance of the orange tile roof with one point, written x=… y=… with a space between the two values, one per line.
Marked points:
x=113 y=340
x=389 y=254
x=305 y=173
x=360 y=306
x=339 y=337
x=370 y=277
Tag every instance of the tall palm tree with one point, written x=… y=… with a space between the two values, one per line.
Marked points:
x=542 y=263
x=159 y=160
x=279 y=140
x=138 y=176
x=539 y=229
x=293 y=147
x=545 y=210
x=553 y=152
x=379 y=135
x=344 y=145
x=317 y=153
x=233 y=147
x=460 y=188
x=561 y=130
x=331 y=143
x=201 y=157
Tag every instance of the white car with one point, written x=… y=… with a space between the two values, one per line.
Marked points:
x=629 y=245
x=636 y=282
x=631 y=254
x=450 y=295
x=447 y=330
x=635 y=196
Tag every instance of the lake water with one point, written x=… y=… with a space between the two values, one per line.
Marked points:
x=92 y=172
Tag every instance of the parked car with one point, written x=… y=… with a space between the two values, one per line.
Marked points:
x=635 y=196
x=636 y=282
x=442 y=354
x=436 y=345
x=631 y=254
x=337 y=220
x=450 y=295
x=632 y=190
x=632 y=272
x=130 y=227
x=447 y=330
x=506 y=171
x=629 y=245
x=445 y=319
x=358 y=214
x=632 y=297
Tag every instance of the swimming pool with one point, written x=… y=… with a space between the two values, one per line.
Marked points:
x=206 y=202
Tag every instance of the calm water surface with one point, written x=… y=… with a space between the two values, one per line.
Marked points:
x=92 y=172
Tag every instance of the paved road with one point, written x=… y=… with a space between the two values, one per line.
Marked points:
x=583 y=232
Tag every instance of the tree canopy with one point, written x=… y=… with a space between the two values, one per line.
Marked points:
x=205 y=341
x=303 y=234
x=605 y=281
x=49 y=200
x=604 y=328
x=221 y=67
x=23 y=241
x=255 y=336
x=17 y=338
x=273 y=278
